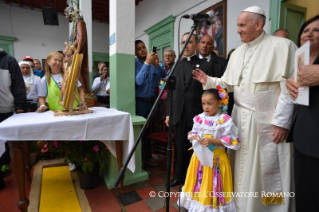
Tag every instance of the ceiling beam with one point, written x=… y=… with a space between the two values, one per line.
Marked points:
x=100 y=6
x=101 y=18
x=30 y=3
x=103 y=10
x=100 y=1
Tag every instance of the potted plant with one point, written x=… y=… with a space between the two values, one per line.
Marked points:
x=47 y=150
x=88 y=157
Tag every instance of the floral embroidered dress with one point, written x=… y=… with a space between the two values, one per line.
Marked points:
x=206 y=188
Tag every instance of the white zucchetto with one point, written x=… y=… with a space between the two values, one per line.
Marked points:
x=255 y=9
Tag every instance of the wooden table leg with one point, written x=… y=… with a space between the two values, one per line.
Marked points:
x=18 y=171
x=119 y=156
x=26 y=152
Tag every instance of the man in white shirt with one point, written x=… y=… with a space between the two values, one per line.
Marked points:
x=101 y=86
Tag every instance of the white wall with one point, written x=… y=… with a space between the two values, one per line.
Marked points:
x=100 y=36
x=146 y=17
x=38 y=40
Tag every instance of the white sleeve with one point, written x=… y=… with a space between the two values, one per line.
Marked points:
x=108 y=85
x=43 y=87
x=230 y=137
x=212 y=82
x=96 y=84
x=284 y=108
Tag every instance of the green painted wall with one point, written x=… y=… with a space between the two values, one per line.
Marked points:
x=161 y=35
x=122 y=78
x=6 y=43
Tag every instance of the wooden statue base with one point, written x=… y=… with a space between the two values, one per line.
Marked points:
x=73 y=112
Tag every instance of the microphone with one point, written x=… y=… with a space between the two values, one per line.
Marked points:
x=209 y=16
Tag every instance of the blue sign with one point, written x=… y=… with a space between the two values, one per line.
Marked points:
x=112 y=39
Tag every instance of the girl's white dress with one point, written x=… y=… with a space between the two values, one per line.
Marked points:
x=210 y=188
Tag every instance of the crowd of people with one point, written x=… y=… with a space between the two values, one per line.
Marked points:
x=27 y=87
x=256 y=86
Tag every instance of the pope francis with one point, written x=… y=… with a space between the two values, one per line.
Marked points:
x=262 y=113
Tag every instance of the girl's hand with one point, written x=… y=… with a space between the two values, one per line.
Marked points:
x=206 y=141
x=194 y=137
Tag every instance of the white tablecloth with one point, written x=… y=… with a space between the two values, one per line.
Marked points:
x=106 y=125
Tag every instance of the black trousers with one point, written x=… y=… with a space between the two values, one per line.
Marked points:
x=104 y=99
x=182 y=145
x=306 y=182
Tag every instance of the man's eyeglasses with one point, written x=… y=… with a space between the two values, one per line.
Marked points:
x=169 y=55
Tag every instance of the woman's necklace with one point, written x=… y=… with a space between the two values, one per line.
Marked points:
x=104 y=82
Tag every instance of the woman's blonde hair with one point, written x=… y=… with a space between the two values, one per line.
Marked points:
x=47 y=67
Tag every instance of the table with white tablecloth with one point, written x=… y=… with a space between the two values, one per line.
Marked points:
x=106 y=125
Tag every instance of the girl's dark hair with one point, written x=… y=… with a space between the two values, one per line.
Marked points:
x=309 y=21
x=213 y=92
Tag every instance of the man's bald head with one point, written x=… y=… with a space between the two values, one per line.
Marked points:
x=281 y=33
x=206 y=45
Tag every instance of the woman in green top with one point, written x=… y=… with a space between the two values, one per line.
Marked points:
x=52 y=82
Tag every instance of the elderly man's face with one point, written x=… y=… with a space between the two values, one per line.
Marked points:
x=169 y=57
x=246 y=27
x=205 y=45
x=191 y=46
x=37 y=65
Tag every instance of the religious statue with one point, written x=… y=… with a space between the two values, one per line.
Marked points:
x=78 y=37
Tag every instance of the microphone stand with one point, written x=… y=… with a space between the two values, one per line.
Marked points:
x=171 y=81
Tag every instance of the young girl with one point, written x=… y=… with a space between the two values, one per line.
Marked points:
x=51 y=83
x=208 y=185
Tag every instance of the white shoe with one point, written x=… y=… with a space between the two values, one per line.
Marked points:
x=72 y=167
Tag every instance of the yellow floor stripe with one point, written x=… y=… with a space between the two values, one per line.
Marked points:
x=57 y=192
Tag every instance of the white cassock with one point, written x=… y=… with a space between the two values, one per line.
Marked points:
x=254 y=73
